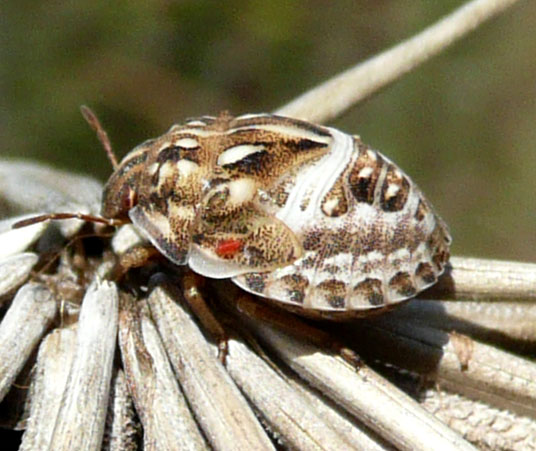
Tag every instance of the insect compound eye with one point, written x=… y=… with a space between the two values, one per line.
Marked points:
x=129 y=199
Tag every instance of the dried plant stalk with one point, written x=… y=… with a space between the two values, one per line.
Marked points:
x=14 y=271
x=490 y=375
x=477 y=278
x=80 y=422
x=333 y=97
x=352 y=431
x=497 y=322
x=167 y=421
x=462 y=364
x=289 y=414
x=487 y=427
x=15 y=241
x=219 y=407
x=46 y=189
x=54 y=360
x=364 y=394
x=29 y=316
x=122 y=426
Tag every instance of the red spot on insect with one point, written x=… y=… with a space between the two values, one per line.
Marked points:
x=228 y=248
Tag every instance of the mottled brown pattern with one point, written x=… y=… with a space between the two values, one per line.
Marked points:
x=440 y=258
x=438 y=245
x=328 y=242
x=397 y=201
x=124 y=181
x=333 y=242
x=332 y=269
x=364 y=174
x=297 y=285
x=401 y=283
x=279 y=194
x=426 y=273
x=334 y=292
x=422 y=210
x=281 y=154
x=371 y=290
x=335 y=203
x=313 y=240
x=256 y=282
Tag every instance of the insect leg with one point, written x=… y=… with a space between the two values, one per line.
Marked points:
x=135 y=257
x=194 y=298
x=295 y=326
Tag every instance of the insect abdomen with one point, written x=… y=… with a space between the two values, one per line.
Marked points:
x=370 y=237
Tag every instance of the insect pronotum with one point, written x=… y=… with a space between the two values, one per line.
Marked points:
x=303 y=215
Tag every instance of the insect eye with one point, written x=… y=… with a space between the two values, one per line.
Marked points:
x=129 y=199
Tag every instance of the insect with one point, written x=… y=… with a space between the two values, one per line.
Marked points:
x=300 y=214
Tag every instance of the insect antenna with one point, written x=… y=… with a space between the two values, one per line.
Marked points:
x=81 y=216
x=95 y=124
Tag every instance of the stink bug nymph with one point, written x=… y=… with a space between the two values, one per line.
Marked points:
x=304 y=215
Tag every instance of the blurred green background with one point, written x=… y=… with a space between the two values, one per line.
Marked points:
x=463 y=125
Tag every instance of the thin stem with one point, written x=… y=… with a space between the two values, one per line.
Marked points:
x=335 y=96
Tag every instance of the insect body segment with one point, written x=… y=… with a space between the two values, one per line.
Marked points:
x=301 y=214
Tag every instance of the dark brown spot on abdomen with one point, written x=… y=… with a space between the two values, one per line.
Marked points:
x=296 y=286
x=364 y=174
x=395 y=190
x=334 y=291
x=401 y=284
x=425 y=273
x=255 y=282
x=334 y=203
x=371 y=290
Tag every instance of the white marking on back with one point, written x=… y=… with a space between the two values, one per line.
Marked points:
x=316 y=181
x=366 y=172
x=153 y=168
x=330 y=205
x=186 y=167
x=186 y=213
x=252 y=116
x=237 y=153
x=165 y=172
x=242 y=190
x=287 y=130
x=187 y=143
x=400 y=254
x=392 y=189
x=196 y=124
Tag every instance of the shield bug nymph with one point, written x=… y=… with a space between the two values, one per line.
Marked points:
x=304 y=215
